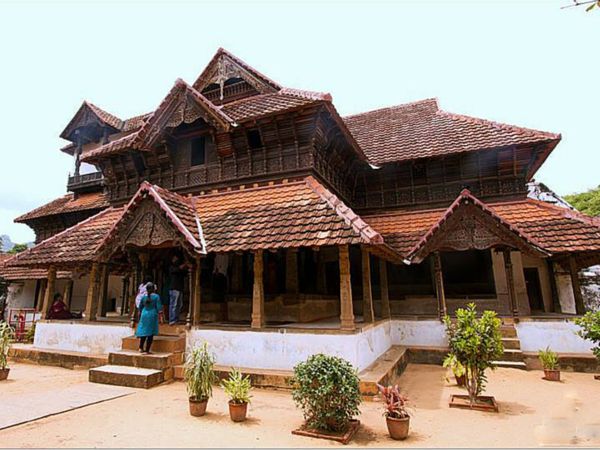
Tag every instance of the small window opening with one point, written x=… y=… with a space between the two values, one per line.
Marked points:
x=198 y=151
x=254 y=140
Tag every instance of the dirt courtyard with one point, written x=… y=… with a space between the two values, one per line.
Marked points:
x=533 y=412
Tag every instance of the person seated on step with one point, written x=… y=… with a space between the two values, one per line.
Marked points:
x=60 y=311
x=147 y=328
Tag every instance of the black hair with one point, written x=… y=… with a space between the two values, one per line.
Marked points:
x=57 y=296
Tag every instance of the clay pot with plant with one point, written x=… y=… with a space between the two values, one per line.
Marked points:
x=237 y=388
x=199 y=376
x=458 y=370
x=549 y=361
x=396 y=416
x=6 y=336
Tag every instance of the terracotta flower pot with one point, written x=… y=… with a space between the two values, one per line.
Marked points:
x=4 y=374
x=198 y=407
x=552 y=375
x=238 y=411
x=460 y=381
x=398 y=428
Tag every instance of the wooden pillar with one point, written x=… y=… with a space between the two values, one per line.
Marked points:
x=579 y=305
x=368 y=310
x=385 y=295
x=439 y=285
x=510 y=282
x=68 y=293
x=103 y=290
x=346 y=311
x=258 y=292
x=91 y=304
x=192 y=294
x=41 y=294
x=291 y=271
x=197 y=291
x=49 y=295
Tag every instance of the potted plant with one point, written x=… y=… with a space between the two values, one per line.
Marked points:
x=590 y=330
x=6 y=335
x=549 y=361
x=326 y=388
x=199 y=376
x=457 y=368
x=396 y=415
x=237 y=387
x=475 y=342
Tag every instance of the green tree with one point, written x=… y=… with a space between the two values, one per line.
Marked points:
x=18 y=248
x=587 y=202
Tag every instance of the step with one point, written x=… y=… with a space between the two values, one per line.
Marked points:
x=385 y=370
x=161 y=344
x=133 y=358
x=508 y=331
x=126 y=376
x=512 y=355
x=510 y=364
x=60 y=358
x=164 y=329
x=511 y=343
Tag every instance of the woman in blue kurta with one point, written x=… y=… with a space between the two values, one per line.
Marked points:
x=150 y=306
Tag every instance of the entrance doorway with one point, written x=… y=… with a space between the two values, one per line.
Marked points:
x=534 y=290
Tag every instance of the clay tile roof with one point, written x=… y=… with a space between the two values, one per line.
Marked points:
x=250 y=108
x=76 y=244
x=295 y=214
x=553 y=229
x=112 y=147
x=421 y=130
x=178 y=209
x=133 y=123
x=25 y=273
x=67 y=204
x=83 y=114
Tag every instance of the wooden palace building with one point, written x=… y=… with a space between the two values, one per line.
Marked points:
x=296 y=221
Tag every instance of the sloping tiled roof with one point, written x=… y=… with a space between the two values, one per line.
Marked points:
x=296 y=214
x=250 y=108
x=84 y=111
x=73 y=245
x=67 y=204
x=553 y=229
x=421 y=130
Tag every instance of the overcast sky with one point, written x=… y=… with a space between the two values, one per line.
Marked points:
x=526 y=63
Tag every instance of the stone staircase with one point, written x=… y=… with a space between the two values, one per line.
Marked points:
x=130 y=368
x=513 y=356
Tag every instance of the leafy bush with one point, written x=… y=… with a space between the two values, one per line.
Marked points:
x=6 y=335
x=30 y=335
x=590 y=329
x=548 y=358
x=326 y=388
x=454 y=364
x=395 y=403
x=237 y=387
x=199 y=373
x=475 y=343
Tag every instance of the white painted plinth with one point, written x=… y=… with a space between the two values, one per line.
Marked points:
x=561 y=336
x=80 y=337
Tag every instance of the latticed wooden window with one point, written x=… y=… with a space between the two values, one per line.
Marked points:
x=198 y=154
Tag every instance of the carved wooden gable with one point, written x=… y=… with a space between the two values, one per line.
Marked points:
x=471 y=228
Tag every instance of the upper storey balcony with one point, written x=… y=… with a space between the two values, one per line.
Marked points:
x=85 y=182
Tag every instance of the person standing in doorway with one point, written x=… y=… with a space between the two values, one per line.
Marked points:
x=177 y=272
x=148 y=327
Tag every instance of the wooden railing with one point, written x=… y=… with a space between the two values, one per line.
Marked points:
x=84 y=181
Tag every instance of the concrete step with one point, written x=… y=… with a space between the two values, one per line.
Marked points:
x=385 y=370
x=161 y=344
x=133 y=358
x=126 y=376
x=171 y=330
x=512 y=355
x=511 y=343
x=510 y=364
x=508 y=331
x=60 y=358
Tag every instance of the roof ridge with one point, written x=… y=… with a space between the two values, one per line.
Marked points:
x=399 y=106
x=362 y=228
x=307 y=94
x=500 y=125
x=245 y=189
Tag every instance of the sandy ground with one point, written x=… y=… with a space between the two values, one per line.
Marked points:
x=532 y=412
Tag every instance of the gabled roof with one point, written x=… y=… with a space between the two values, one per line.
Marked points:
x=520 y=239
x=88 y=113
x=25 y=273
x=178 y=210
x=224 y=65
x=422 y=130
x=69 y=203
